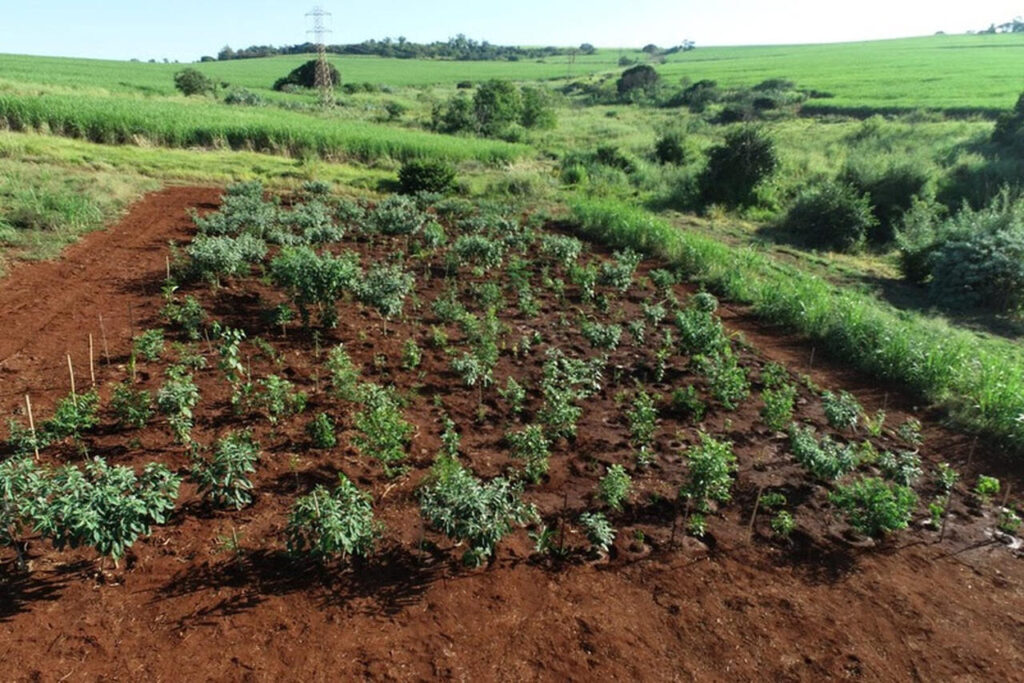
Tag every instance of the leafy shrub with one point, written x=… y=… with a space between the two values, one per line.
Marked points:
x=426 y=175
x=177 y=400
x=600 y=532
x=833 y=215
x=841 y=410
x=189 y=314
x=637 y=81
x=727 y=380
x=385 y=288
x=149 y=344
x=903 y=467
x=216 y=257
x=477 y=250
x=986 y=488
x=873 y=507
x=531 y=446
x=687 y=402
x=711 y=464
x=320 y=431
x=193 y=82
x=340 y=522
x=224 y=479
x=618 y=274
x=614 y=487
x=396 y=215
x=383 y=434
x=561 y=248
x=131 y=408
x=515 y=394
x=783 y=524
x=107 y=508
x=700 y=332
x=825 y=459
x=736 y=168
x=243 y=97
x=73 y=416
x=705 y=302
x=778 y=406
x=314 y=280
x=470 y=511
x=643 y=417
x=344 y=374
x=564 y=382
x=891 y=191
x=601 y=336
x=278 y=398
x=670 y=149
x=697 y=96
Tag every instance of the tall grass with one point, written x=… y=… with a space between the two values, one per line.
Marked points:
x=980 y=381
x=184 y=124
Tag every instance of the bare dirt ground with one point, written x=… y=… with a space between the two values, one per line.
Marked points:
x=735 y=608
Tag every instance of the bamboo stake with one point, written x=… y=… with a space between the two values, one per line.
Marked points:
x=32 y=425
x=167 y=263
x=753 y=516
x=92 y=364
x=103 y=335
x=71 y=372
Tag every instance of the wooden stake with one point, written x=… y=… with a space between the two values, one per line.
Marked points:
x=753 y=516
x=1006 y=497
x=32 y=425
x=71 y=372
x=167 y=262
x=92 y=364
x=103 y=336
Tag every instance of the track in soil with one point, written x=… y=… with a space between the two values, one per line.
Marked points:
x=738 y=610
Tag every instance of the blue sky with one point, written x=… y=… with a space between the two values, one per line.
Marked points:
x=187 y=29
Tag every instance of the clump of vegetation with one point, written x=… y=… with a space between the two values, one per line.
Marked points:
x=224 y=479
x=304 y=76
x=426 y=175
x=469 y=511
x=132 y=408
x=600 y=532
x=825 y=459
x=712 y=464
x=842 y=410
x=614 y=487
x=194 y=82
x=321 y=431
x=383 y=433
x=873 y=507
x=177 y=400
x=531 y=446
x=736 y=168
x=339 y=523
x=832 y=215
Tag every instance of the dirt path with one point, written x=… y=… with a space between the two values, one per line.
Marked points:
x=739 y=611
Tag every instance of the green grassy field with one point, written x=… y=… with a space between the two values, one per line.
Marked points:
x=971 y=73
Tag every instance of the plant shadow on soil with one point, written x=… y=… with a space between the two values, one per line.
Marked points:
x=386 y=584
x=20 y=589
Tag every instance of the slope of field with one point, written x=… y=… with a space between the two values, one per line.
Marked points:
x=736 y=607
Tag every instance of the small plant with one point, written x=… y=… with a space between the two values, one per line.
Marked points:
x=315 y=281
x=189 y=314
x=600 y=336
x=642 y=418
x=476 y=250
x=712 y=464
x=385 y=287
x=778 y=406
x=177 y=400
x=946 y=477
x=320 y=431
x=515 y=394
x=73 y=416
x=618 y=274
x=637 y=331
x=614 y=487
x=903 y=467
x=687 y=402
x=383 y=433
x=774 y=376
x=910 y=431
x=1009 y=522
x=825 y=459
x=600 y=532
x=531 y=446
x=727 y=380
x=470 y=511
x=986 y=488
x=561 y=248
x=344 y=374
x=326 y=524
x=783 y=524
x=841 y=410
x=875 y=424
x=149 y=345
x=873 y=507
x=230 y=352
x=224 y=479
x=450 y=439
x=700 y=333
x=131 y=408
x=277 y=398
x=412 y=356
x=697 y=526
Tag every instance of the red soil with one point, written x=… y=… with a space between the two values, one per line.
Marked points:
x=736 y=608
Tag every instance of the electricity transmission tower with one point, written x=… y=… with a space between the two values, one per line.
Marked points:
x=324 y=82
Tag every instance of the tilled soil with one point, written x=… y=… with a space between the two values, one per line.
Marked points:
x=212 y=595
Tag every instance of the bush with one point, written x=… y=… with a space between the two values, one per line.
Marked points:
x=382 y=432
x=873 y=507
x=426 y=176
x=614 y=487
x=531 y=446
x=697 y=96
x=193 y=82
x=637 y=80
x=243 y=97
x=712 y=464
x=324 y=524
x=305 y=77
x=224 y=479
x=468 y=510
x=890 y=192
x=833 y=215
x=669 y=149
x=736 y=168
